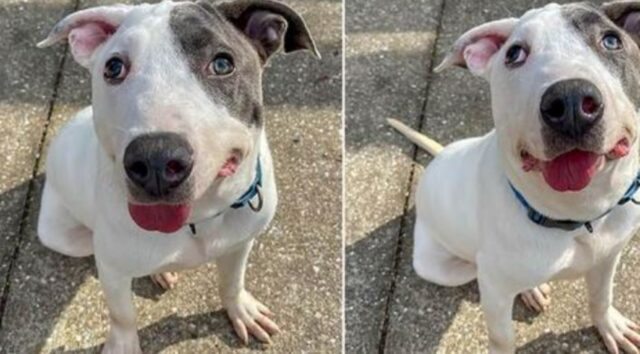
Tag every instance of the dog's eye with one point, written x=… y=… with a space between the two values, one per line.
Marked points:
x=115 y=70
x=516 y=56
x=222 y=64
x=611 y=41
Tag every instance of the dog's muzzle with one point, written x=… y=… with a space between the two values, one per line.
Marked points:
x=572 y=107
x=158 y=163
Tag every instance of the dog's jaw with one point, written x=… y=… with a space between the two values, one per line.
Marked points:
x=611 y=179
x=573 y=170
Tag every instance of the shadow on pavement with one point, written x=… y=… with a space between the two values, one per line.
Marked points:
x=52 y=281
x=43 y=283
x=177 y=324
x=418 y=308
x=574 y=341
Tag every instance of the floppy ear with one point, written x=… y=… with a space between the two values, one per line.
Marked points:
x=475 y=49
x=269 y=25
x=625 y=14
x=86 y=30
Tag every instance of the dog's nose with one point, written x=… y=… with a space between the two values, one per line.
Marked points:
x=158 y=162
x=572 y=107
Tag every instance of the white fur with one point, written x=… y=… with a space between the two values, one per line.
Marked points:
x=470 y=225
x=84 y=205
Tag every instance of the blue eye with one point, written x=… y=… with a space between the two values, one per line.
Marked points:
x=115 y=70
x=222 y=64
x=611 y=41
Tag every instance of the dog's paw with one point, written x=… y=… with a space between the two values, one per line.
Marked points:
x=538 y=298
x=165 y=280
x=119 y=344
x=249 y=316
x=618 y=332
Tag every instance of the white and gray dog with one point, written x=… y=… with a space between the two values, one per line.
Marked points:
x=546 y=195
x=170 y=166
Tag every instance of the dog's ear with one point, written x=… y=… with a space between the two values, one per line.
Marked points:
x=269 y=25
x=625 y=14
x=475 y=49
x=86 y=30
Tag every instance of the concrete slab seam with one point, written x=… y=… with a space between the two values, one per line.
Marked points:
x=414 y=157
x=30 y=190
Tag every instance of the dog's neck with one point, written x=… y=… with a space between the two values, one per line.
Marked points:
x=603 y=193
x=225 y=192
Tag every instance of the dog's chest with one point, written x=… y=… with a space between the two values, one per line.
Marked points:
x=195 y=251
x=588 y=249
x=210 y=241
x=202 y=247
x=584 y=252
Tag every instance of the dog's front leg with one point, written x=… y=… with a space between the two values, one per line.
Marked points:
x=497 y=305
x=123 y=334
x=616 y=330
x=246 y=314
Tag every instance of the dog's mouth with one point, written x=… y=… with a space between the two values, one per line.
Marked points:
x=165 y=218
x=230 y=166
x=573 y=170
x=169 y=217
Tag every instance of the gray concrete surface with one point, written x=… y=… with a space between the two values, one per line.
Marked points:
x=388 y=48
x=54 y=304
x=395 y=311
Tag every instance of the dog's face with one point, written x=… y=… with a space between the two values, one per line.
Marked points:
x=176 y=93
x=565 y=87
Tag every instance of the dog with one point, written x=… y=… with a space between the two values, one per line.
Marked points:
x=548 y=193
x=170 y=167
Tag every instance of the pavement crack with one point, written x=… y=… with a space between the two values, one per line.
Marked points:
x=405 y=211
x=31 y=189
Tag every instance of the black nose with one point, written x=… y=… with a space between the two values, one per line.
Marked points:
x=158 y=162
x=572 y=107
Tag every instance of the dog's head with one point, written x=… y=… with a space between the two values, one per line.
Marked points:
x=565 y=88
x=177 y=93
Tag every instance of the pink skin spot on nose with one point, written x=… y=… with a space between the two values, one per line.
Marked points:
x=229 y=168
x=589 y=105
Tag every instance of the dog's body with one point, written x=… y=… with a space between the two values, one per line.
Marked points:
x=471 y=224
x=170 y=168
x=86 y=197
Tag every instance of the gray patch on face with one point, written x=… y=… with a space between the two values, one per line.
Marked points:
x=201 y=33
x=592 y=25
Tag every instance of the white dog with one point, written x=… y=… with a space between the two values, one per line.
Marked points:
x=546 y=195
x=170 y=167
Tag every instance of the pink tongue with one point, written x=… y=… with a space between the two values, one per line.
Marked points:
x=159 y=217
x=571 y=171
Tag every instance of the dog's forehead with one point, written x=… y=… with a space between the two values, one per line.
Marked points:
x=559 y=21
x=202 y=32
x=197 y=29
x=148 y=16
x=586 y=19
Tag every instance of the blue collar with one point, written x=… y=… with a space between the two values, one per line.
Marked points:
x=245 y=199
x=254 y=189
x=570 y=225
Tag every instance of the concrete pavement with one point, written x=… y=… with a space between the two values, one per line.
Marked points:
x=388 y=308
x=51 y=303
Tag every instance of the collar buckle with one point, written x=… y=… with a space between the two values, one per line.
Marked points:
x=259 y=206
x=245 y=199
